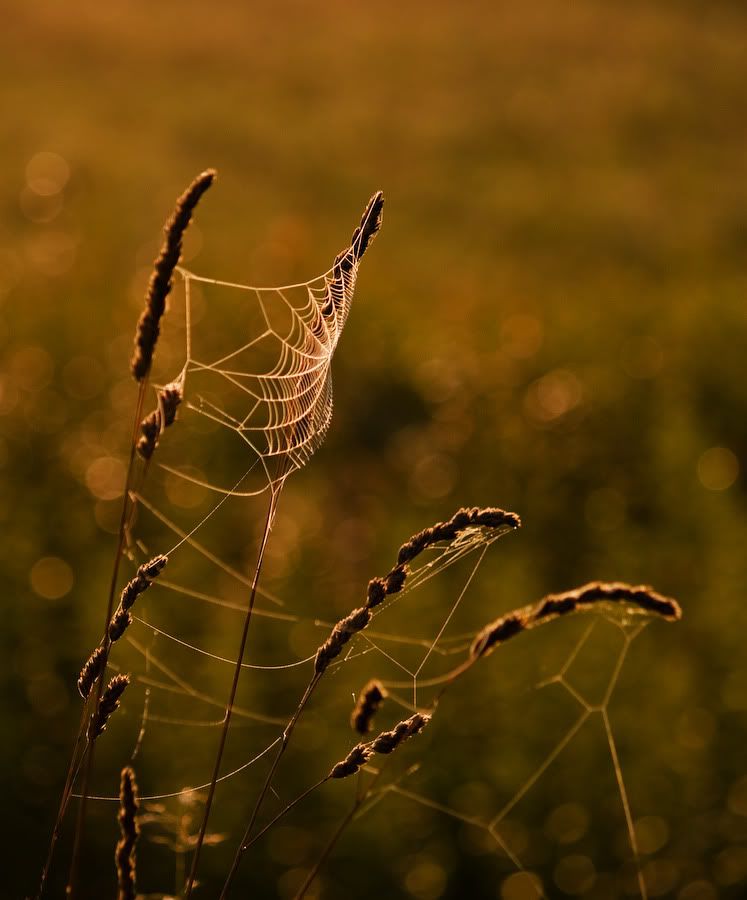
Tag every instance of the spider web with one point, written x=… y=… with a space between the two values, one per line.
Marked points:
x=397 y=653
x=275 y=391
x=258 y=409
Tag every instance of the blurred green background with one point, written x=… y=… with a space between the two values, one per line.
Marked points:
x=552 y=321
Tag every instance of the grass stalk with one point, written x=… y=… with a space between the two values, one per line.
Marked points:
x=244 y=844
x=127 y=510
x=272 y=506
x=75 y=762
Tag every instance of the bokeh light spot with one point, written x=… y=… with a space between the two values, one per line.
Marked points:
x=734 y=689
x=52 y=253
x=10 y=270
x=288 y=845
x=437 y=380
x=567 y=823
x=660 y=876
x=730 y=866
x=521 y=886
x=434 y=476
x=698 y=890
x=290 y=882
x=696 y=728
x=105 y=478
x=51 y=577
x=107 y=514
x=652 y=833
x=83 y=377
x=47 y=173
x=575 y=874
x=38 y=208
x=32 y=367
x=184 y=493
x=39 y=765
x=553 y=396
x=738 y=797
x=47 y=693
x=426 y=879
x=718 y=468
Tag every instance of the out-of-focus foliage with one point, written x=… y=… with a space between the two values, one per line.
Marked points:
x=552 y=320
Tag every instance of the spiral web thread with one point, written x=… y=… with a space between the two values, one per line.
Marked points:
x=286 y=408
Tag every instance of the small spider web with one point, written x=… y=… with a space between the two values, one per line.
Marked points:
x=270 y=395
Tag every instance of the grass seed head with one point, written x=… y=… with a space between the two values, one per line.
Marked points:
x=369 y=701
x=358 y=757
x=108 y=704
x=124 y=854
x=92 y=668
x=159 y=287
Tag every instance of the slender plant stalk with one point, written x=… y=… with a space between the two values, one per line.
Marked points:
x=348 y=818
x=146 y=337
x=284 y=812
x=75 y=762
x=72 y=772
x=244 y=844
x=361 y=797
x=127 y=510
x=272 y=506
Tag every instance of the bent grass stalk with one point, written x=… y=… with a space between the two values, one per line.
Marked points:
x=549 y=608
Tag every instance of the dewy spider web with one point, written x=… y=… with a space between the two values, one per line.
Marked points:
x=276 y=388
x=289 y=406
x=272 y=395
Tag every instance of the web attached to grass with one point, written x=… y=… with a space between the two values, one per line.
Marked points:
x=264 y=378
x=409 y=660
x=282 y=414
x=258 y=399
x=589 y=711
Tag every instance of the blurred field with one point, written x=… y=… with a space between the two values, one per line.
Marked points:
x=552 y=320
